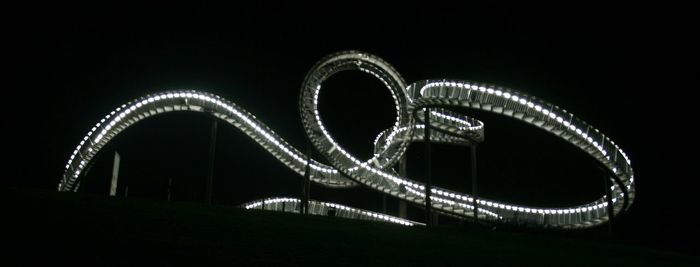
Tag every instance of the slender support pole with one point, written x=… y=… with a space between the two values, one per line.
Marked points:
x=126 y=191
x=384 y=203
x=610 y=209
x=428 y=174
x=212 y=154
x=475 y=194
x=115 y=174
x=306 y=184
x=308 y=196
x=170 y=188
x=402 y=172
x=302 y=192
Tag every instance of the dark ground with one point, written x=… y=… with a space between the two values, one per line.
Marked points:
x=65 y=228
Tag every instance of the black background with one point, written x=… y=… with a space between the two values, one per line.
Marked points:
x=73 y=63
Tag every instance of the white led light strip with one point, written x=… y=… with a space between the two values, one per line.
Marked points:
x=377 y=173
x=323 y=208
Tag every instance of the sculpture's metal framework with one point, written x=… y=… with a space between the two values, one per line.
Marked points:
x=411 y=102
x=293 y=205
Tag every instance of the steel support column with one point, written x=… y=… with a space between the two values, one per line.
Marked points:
x=212 y=154
x=428 y=172
x=610 y=208
x=306 y=183
x=475 y=194
x=402 y=172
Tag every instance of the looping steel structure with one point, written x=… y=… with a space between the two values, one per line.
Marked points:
x=412 y=101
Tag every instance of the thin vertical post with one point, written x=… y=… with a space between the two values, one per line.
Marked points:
x=115 y=174
x=610 y=208
x=212 y=154
x=306 y=184
x=402 y=172
x=428 y=174
x=170 y=186
x=475 y=194
x=308 y=195
x=384 y=203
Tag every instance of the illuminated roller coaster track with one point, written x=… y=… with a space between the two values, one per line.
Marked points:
x=293 y=205
x=411 y=102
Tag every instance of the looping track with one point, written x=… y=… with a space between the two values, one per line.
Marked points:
x=411 y=102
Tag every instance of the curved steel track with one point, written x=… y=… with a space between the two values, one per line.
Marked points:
x=411 y=101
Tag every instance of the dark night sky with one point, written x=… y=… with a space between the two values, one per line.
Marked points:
x=76 y=63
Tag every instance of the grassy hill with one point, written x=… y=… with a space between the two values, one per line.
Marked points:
x=74 y=228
